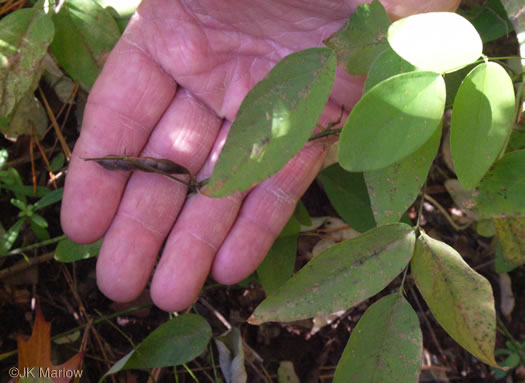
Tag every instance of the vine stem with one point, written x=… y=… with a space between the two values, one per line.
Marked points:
x=420 y=212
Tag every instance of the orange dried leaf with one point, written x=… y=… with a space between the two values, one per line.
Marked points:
x=36 y=352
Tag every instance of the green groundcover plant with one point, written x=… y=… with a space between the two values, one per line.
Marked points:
x=416 y=69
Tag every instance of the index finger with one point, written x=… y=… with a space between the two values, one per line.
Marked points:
x=126 y=102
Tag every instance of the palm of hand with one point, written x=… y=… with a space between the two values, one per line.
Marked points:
x=169 y=89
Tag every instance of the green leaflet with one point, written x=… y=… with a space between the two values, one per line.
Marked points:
x=363 y=37
x=386 y=65
x=500 y=193
x=436 y=41
x=460 y=299
x=393 y=189
x=24 y=37
x=85 y=35
x=339 y=277
x=177 y=341
x=69 y=251
x=385 y=346
x=482 y=119
x=348 y=195
x=392 y=120
x=279 y=263
x=274 y=121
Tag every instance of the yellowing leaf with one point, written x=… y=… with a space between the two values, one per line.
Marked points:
x=460 y=299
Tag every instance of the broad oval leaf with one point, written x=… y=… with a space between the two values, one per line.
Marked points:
x=500 y=193
x=482 y=119
x=348 y=195
x=175 y=342
x=386 y=65
x=274 y=121
x=85 y=34
x=436 y=41
x=385 y=346
x=339 y=277
x=460 y=299
x=69 y=251
x=393 y=189
x=392 y=120
x=362 y=38
x=24 y=37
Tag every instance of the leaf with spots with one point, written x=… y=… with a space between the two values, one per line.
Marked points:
x=511 y=233
x=500 y=193
x=460 y=299
x=385 y=346
x=24 y=37
x=340 y=277
x=362 y=39
x=392 y=120
x=274 y=121
x=85 y=34
x=393 y=189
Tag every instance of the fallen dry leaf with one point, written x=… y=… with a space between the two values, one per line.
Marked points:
x=34 y=355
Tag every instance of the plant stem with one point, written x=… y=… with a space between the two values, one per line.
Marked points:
x=326 y=133
x=35 y=246
x=420 y=212
x=403 y=281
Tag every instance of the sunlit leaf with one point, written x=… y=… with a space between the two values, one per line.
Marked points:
x=274 y=121
x=500 y=193
x=511 y=233
x=85 y=34
x=363 y=37
x=348 y=195
x=279 y=263
x=69 y=251
x=482 y=119
x=231 y=356
x=24 y=37
x=339 y=277
x=36 y=352
x=386 y=65
x=392 y=120
x=393 y=189
x=385 y=346
x=436 y=41
x=177 y=341
x=460 y=299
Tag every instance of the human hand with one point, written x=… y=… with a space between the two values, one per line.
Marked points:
x=170 y=89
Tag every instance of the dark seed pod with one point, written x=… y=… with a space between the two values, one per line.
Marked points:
x=145 y=164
